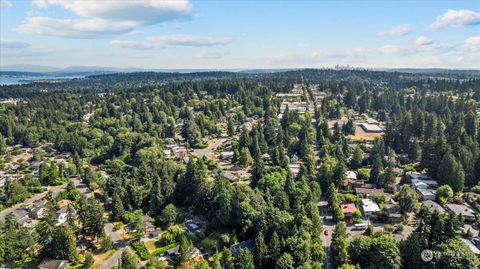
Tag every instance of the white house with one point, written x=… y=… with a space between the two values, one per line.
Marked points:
x=369 y=207
x=62 y=215
x=226 y=155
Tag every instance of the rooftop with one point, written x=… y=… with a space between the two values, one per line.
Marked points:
x=471 y=246
x=373 y=128
x=369 y=205
x=461 y=209
x=433 y=206
x=348 y=208
x=369 y=191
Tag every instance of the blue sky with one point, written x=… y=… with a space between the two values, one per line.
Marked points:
x=240 y=34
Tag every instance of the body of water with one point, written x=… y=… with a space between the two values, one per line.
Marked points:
x=11 y=80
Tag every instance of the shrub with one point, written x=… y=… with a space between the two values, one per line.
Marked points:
x=476 y=189
x=389 y=228
x=106 y=243
x=400 y=228
x=363 y=174
x=88 y=260
x=160 y=251
x=117 y=226
x=141 y=250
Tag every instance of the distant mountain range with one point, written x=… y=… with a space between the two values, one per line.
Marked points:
x=41 y=70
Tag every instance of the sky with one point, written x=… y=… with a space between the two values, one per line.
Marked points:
x=207 y=34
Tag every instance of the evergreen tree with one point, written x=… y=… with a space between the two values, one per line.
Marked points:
x=169 y=215
x=450 y=172
x=117 y=209
x=64 y=244
x=128 y=260
x=340 y=245
x=357 y=158
x=244 y=260
x=410 y=250
x=261 y=251
x=406 y=198
x=285 y=262
x=377 y=171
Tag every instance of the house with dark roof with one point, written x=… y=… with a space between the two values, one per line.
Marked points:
x=465 y=211
x=432 y=205
x=38 y=210
x=249 y=244
x=369 y=192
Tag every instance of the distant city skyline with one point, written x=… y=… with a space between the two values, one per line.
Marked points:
x=183 y=34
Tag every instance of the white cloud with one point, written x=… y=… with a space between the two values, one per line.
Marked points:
x=100 y=16
x=399 y=30
x=160 y=42
x=423 y=41
x=472 y=43
x=131 y=44
x=5 y=4
x=189 y=40
x=89 y=28
x=143 y=12
x=10 y=44
x=452 y=17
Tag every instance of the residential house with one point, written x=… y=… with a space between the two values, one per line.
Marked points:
x=192 y=227
x=53 y=264
x=433 y=206
x=427 y=194
x=465 y=211
x=348 y=210
x=148 y=226
x=226 y=155
x=22 y=216
x=62 y=215
x=352 y=175
x=63 y=203
x=420 y=181
x=249 y=244
x=371 y=128
x=369 y=192
x=369 y=207
x=294 y=168
x=172 y=254
x=179 y=152
x=167 y=153
x=472 y=247
x=35 y=165
x=38 y=210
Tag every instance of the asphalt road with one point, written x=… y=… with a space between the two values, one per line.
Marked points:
x=210 y=150
x=119 y=245
x=35 y=197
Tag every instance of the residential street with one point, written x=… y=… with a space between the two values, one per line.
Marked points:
x=35 y=197
x=210 y=150
x=119 y=245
